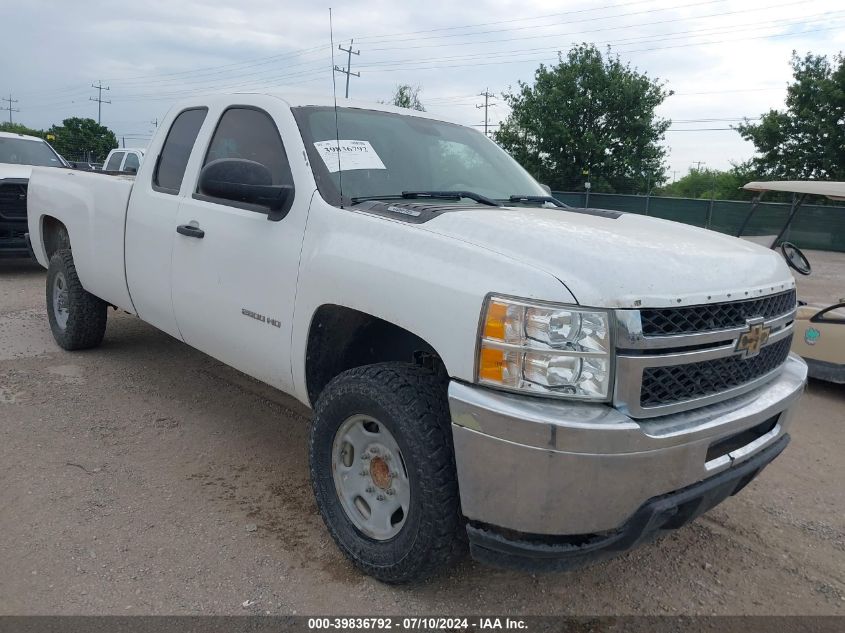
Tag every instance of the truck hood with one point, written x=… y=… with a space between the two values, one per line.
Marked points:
x=10 y=170
x=628 y=261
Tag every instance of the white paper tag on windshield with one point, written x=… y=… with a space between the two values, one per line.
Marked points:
x=353 y=155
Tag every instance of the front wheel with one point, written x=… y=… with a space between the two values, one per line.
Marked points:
x=383 y=470
x=77 y=318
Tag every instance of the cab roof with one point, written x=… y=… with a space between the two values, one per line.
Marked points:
x=25 y=137
x=304 y=99
x=832 y=189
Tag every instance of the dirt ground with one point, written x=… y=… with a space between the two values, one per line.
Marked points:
x=144 y=477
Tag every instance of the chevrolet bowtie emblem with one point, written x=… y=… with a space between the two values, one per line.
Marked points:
x=751 y=341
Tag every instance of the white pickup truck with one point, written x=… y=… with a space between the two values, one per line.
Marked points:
x=18 y=154
x=126 y=159
x=553 y=385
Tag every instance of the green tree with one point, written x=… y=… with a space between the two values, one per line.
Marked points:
x=407 y=96
x=591 y=118
x=807 y=139
x=704 y=183
x=77 y=138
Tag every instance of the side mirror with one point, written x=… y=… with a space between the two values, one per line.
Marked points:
x=242 y=180
x=547 y=189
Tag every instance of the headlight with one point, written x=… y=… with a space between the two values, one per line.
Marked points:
x=548 y=349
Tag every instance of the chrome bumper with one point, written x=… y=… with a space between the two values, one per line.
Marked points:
x=546 y=467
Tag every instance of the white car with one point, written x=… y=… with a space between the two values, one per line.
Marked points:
x=18 y=154
x=557 y=385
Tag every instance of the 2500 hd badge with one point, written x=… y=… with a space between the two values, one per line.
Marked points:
x=261 y=317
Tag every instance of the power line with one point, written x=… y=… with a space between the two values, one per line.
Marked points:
x=99 y=99
x=348 y=70
x=640 y=50
x=642 y=39
x=593 y=19
x=369 y=38
x=240 y=66
x=10 y=101
x=486 y=94
x=262 y=79
x=703 y=129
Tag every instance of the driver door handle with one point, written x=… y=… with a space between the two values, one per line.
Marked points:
x=189 y=230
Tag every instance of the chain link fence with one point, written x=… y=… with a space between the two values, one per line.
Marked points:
x=820 y=227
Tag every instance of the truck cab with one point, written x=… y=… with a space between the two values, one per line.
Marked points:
x=552 y=385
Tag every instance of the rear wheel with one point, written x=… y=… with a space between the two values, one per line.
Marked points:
x=383 y=470
x=77 y=318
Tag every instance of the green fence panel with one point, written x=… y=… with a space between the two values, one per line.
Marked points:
x=573 y=199
x=686 y=210
x=820 y=227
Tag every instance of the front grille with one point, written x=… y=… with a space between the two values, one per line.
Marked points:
x=679 y=383
x=714 y=316
x=13 y=201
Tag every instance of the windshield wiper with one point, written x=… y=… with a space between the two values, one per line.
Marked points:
x=451 y=195
x=387 y=196
x=439 y=195
x=540 y=199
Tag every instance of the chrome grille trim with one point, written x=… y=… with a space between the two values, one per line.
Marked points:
x=714 y=316
x=629 y=333
x=636 y=352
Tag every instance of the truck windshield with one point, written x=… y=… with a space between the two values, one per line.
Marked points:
x=21 y=151
x=384 y=154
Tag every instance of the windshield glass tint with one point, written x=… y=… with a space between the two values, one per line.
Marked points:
x=20 y=151
x=383 y=153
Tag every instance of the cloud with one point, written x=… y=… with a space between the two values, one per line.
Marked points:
x=724 y=59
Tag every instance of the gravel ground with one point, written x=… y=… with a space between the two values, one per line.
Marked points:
x=144 y=477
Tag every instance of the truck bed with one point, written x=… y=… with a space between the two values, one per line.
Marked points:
x=92 y=205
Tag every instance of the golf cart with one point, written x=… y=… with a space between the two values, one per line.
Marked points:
x=819 y=329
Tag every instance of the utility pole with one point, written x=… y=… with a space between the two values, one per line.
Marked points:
x=10 y=101
x=698 y=165
x=674 y=175
x=155 y=122
x=99 y=99
x=709 y=221
x=486 y=94
x=348 y=70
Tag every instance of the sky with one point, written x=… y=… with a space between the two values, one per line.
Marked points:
x=724 y=59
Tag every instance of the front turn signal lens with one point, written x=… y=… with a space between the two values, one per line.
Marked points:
x=494 y=323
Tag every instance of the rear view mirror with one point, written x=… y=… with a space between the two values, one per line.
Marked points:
x=242 y=180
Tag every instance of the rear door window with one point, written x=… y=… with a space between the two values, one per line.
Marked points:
x=132 y=163
x=114 y=161
x=176 y=151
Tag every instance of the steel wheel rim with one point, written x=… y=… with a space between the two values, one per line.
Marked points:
x=370 y=477
x=60 y=300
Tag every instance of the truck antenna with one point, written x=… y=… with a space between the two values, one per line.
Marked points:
x=336 y=125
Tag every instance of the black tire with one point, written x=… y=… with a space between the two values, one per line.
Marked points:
x=411 y=402
x=86 y=314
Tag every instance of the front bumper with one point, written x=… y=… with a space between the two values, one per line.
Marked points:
x=666 y=512
x=530 y=467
